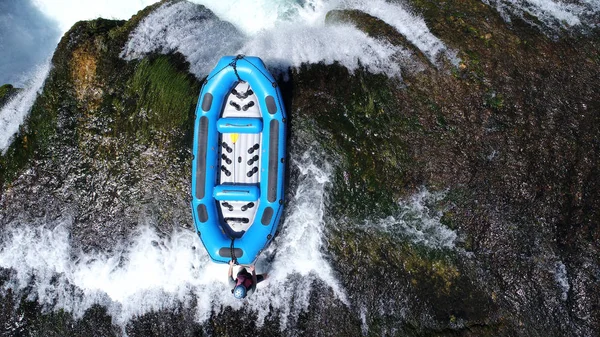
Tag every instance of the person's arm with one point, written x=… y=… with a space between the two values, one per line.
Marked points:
x=230 y=279
x=254 y=281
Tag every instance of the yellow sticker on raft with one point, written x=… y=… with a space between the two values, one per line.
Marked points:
x=234 y=137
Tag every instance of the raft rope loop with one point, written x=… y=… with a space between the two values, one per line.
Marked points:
x=231 y=64
x=234 y=63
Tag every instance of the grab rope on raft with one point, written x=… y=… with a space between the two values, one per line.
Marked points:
x=234 y=63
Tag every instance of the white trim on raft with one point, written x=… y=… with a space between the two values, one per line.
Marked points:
x=239 y=160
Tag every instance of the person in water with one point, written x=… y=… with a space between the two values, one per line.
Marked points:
x=245 y=283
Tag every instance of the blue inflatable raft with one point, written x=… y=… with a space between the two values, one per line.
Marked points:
x=239 y=160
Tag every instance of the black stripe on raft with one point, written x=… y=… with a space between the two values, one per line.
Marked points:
x=226 y=252
x=207 y=101
x=201 y=158
x=266 y=217
x=271 y=106
x=273 y=160
x=202 y=213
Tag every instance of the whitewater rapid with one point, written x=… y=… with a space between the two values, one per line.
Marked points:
x=553 y=14
x=417 y=220
x=289 y=42
x=151 y=272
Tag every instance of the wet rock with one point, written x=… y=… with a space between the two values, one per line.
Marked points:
x=510 y=134
x=99 y=137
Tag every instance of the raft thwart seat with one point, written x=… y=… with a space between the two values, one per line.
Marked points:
x=236 y=192
x=239 y=125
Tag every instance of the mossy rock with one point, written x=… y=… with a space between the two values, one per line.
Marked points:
x=420 y=281
x=165 y=94
x=357 y=115
x=24 y=317
x=92 y=91
x=512 y=133
x=7 y=91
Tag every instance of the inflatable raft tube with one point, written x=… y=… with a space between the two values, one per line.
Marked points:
x=239 y=161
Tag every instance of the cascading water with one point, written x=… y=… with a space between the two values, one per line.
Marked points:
x=148 y=271
x=13 y=113
x=296 y=35
x=151 y=272
x=418 y=221
x=285 y=33
x=553 y=14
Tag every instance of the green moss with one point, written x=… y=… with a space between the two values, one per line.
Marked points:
x=165 y=98
x=164 y=92
x=494 y=100
x=384 y=249
x=5 y=90
x=388 y=264
x=359 y=118
x=151 y=101
x=440 y=272
x=35 y=135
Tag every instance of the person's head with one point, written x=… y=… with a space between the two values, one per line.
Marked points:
x=239 y=291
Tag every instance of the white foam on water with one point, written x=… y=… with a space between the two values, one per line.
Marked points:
x=186 y=28
x=364 y=326
x=560 y=11
x=299 y=250
x=551 y=12
x=257 y=16
x=593 y=4
x=150 y=272
x=311 y=14
x=413 y=27
x=283 y=33
x=419 y=222
x=254 y=17
x=290 y=46
x=562 y=279
x=13 y=113
x=179 y=27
